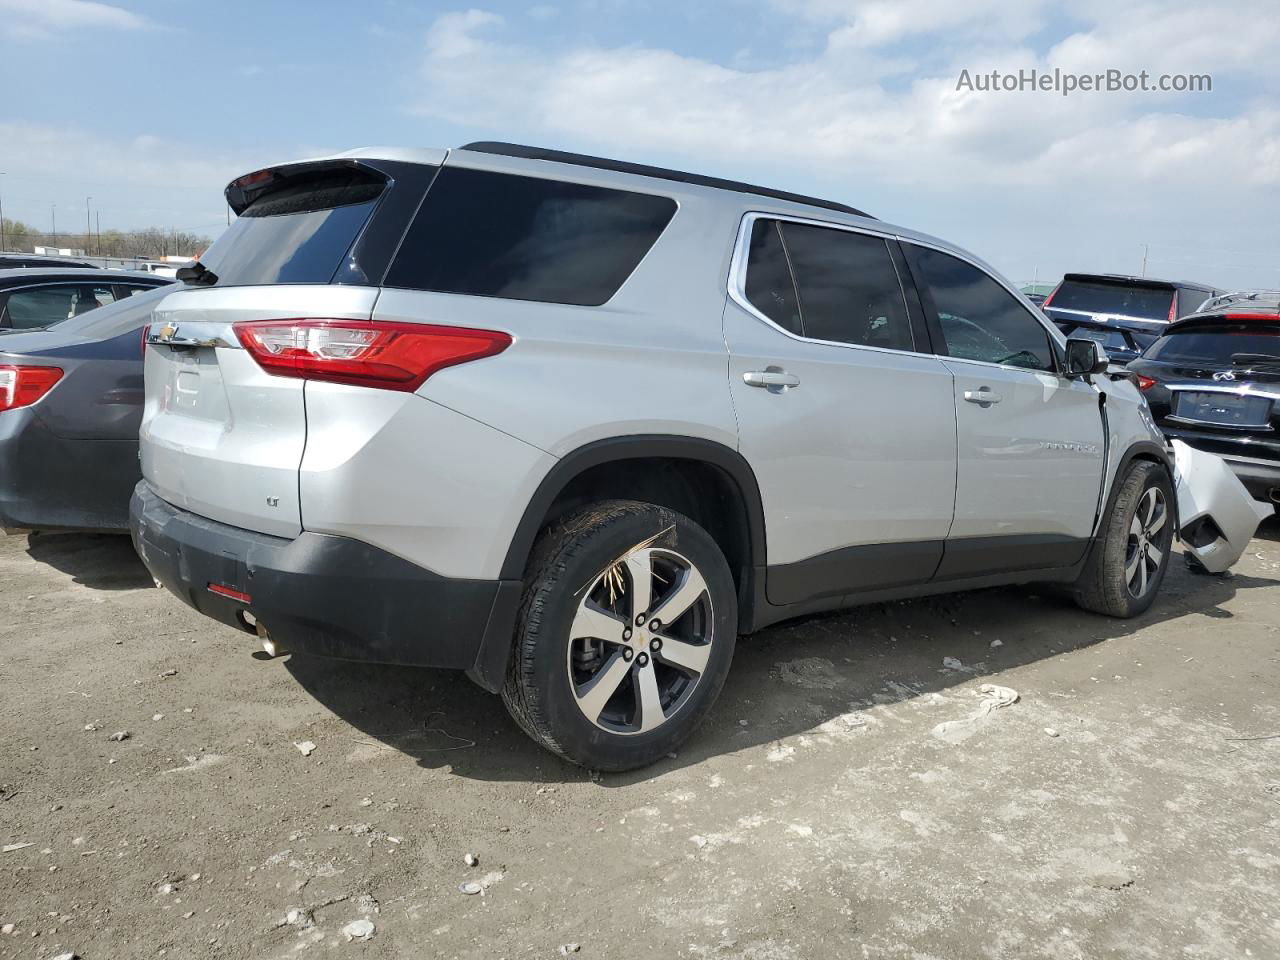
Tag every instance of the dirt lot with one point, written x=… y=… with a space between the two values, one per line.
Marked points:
x=820 y=812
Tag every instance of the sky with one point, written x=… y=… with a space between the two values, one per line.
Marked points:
x=152 y=106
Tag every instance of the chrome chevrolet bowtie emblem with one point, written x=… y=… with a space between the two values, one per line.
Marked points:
x=167 y=332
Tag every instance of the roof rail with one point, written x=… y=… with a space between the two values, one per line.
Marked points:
x=659 y=173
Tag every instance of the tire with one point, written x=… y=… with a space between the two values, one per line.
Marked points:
x=616 y=702
x=1112 y=583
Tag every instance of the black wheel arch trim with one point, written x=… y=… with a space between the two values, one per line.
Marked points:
x=495 y=649
x=636 y=447
x=1142 y=450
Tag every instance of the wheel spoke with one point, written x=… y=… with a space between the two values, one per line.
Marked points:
x=691 y=657
x=1149 y=504
x=591 y=621
x=1158 y=523
x=1135 y=528
x=595 y=693
x=648 y=700
x=1131 y=568
x=686 y=594
x=1142 y=575
x=640 y=566
x=1155 y=556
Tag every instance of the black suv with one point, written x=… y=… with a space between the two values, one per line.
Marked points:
x=1124 y=314
x=1213 y=381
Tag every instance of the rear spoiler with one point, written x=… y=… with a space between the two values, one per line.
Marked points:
x=242 y=191
x=1231 y=313
x=1120 y=281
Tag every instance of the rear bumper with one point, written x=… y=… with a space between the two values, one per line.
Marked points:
x=49 y=482
x=328 y=596
x=1261 y=477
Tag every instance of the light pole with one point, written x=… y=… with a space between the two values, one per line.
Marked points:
x=53 y=219
x=1 y=216
x=88 y=227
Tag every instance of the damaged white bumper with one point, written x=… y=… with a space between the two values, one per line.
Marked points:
x=1216 y=515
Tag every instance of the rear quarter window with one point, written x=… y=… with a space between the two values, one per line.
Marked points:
x=527 y=238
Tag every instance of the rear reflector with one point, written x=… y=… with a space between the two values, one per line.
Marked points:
x=392 y=356
x=23 y=386
x=230 y=594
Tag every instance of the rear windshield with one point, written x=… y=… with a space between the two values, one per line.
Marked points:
x=527 y=238
x=1243 y=344
x=297 y=232
x=1091 y=296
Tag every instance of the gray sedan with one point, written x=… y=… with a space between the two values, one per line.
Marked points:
x=70 y=405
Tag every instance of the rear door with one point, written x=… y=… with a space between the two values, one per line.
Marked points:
x=221 y=437
x=845 y=417
x=1031 y=451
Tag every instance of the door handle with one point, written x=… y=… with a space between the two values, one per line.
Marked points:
x=772 y=378
x=983 y=397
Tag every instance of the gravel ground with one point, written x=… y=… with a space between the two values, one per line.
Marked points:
x=827 y=808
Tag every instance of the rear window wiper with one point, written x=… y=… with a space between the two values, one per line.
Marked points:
x=198 y=275
x=1246 y=359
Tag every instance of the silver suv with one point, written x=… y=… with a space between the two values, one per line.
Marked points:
x=573 y=425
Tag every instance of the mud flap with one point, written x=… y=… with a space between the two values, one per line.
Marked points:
x=1217 y=515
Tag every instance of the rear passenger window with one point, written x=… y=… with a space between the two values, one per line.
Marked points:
x=980 y=319
x=527 y=238
x=849 y=289
x=769 y=286
x=42 y=306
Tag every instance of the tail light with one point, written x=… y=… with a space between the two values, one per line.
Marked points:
x=392 y=356
x=23 y=386
x=1173 y=307
x=1049 y=298
x=1144 y=383
x=146 y=328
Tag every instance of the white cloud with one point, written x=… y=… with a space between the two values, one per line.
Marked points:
x=877 y=109
x=45 y=17
x=834 y=112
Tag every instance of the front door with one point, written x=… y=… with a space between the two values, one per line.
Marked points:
x=1031 y=451
x=845 y=417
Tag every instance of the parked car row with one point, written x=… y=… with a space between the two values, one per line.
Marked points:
x=1213 y=381
x=1124 y=314
x=572 y=425
x=1208 y=361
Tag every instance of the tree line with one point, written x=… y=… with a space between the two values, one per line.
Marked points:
x=150 y=243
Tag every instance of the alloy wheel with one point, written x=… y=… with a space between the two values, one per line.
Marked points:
x=1145 y=554
x=640 y=641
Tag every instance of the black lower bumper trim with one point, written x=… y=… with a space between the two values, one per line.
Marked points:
x=323 y=595
x=1261 y=480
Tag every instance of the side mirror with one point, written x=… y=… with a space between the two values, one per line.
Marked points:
x=1085 y=357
